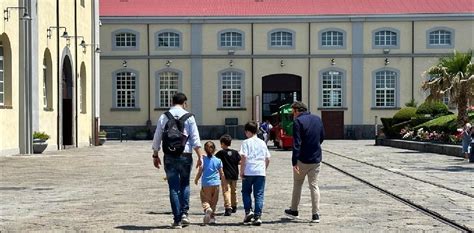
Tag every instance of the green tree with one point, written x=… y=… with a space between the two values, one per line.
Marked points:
x=453 y=75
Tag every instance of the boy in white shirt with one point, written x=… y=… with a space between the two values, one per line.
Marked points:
x=255 y=160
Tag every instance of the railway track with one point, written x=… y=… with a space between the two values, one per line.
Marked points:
x=403 y=200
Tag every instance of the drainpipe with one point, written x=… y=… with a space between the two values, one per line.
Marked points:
x=412 y=60
x=59 y=78
x=76 y=76
x=148 y=122
x=95 y=59
x=309 y=67
x=252 y=73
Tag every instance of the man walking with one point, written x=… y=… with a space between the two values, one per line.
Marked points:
x=177 y=165
x=308 y=134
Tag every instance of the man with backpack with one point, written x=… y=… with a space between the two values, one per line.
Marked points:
x=177 y=134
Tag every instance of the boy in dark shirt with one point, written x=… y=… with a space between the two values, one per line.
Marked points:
x=230 y=159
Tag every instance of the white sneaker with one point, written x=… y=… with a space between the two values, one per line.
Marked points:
x=212 y=221
x=207 y=216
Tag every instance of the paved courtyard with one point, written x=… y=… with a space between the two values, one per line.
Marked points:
x=115 y=187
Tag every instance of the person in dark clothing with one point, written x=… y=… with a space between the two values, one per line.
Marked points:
x=308 y=134
x=230 y=159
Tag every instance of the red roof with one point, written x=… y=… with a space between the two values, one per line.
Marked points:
x=235 y=8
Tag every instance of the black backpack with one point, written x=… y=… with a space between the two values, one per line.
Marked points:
x=173 y=139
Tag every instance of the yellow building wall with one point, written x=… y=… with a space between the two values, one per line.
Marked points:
x=184 y=29
x=463 y=35
x=183 y=66
x=316 y=28
x=404 y=35
x=123 y=117
x=372 y=64
x=211 y=114
x=320 y=64
x=211 y=36
x=106 y=39
x=9 y=117
x=300 y=41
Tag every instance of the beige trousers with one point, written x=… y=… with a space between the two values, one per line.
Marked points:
x=312 y=171
x=230 y=193
x=209 y=197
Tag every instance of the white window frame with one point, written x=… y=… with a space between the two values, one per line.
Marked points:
x=166 y=88
x=281 y=39
x=168 y=39
x=386 y=88
x=438 y=33
x=332 y=84
x=129 y=94
x=131 y=39
x=231 y=39
x=331 y=38
x=231 y=88
x=386 y=38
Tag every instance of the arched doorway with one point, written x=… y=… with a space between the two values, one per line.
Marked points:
x=279 y=89
x=67 y=102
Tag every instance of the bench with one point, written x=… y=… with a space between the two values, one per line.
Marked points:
x=116 y=134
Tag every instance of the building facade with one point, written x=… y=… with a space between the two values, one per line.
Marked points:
x=48 y=68
x=240 y=63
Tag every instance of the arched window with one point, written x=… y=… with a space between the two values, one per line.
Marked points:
x=168 y=40
x=281 y=38
x=386 y=88
x=386 y=38
x=231 y=89
x=5 y=72
x=231 y=39
x=167 y=86
x=126 y=89
x=440 y=37
x=83 y=91
x=125 y=39
x=332 y=88
x=47 y=81
x=332 y=39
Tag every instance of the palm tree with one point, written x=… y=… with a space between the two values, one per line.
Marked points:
x=453 y=75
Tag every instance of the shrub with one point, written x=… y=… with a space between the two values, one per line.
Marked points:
x=405 y=113
x=433 y=108
x=40 y=135
x=103 y=134
x=439 y=124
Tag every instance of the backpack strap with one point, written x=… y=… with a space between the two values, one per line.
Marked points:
x=182 y=119
x=169 y=115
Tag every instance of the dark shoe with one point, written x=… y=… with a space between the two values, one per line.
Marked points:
x=248 y=218
x=185 y=220
x=176 y=225
x=228 y=212
x=257 y=221
x=293 y=214
x=315 y=218
x=234 y=209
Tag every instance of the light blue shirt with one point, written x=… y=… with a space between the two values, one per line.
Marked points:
x=210 y=171
x=190 y=130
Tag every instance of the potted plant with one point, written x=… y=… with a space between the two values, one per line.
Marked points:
x=40 y=142
x=102 y=137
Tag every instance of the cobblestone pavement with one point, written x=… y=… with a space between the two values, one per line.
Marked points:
x=115 y=187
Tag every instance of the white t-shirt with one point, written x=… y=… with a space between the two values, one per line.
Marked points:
x=255 y=152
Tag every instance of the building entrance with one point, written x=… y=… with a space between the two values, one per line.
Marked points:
x=279 y=89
